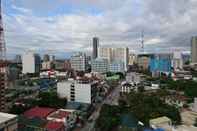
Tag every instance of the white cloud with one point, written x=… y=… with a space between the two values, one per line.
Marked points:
x=167 y=24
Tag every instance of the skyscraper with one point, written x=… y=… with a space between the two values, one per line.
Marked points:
x=31 y=63
x=95 y=47
x=194 y=49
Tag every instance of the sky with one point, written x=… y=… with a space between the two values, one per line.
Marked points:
x=65 y=26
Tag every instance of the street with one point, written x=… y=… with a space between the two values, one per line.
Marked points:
x=111 y=99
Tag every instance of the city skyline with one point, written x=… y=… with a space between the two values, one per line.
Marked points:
x=64 y=26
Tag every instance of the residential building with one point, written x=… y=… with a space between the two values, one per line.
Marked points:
x=67 y=65
x=133 y=77
x=127 y=87
x=31 y=63
x=18 y=59
x=132 y=59
x=59 y=64
x=117 y=66
x=79 y=61
x=121 y=54
x=99 y=65
x=194 y=50
x=177 y=61
x=95 y=47
x=82 y=91
x=47 y=65
x=143 y=61
x=8 y=122
x=105 y=53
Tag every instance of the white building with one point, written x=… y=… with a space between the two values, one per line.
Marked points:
x=99 y=65
x=105 y=53
x=77 y=91
x=79 y=62
x=8 y=122
x=117 y=66
x=47 y=65
x=121 y=54
x=177 y=61
x=133 y=77
x=31 y=63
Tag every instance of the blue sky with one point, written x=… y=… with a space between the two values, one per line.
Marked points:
x=61 y=26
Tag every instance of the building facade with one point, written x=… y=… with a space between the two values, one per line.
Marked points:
x=8 y=122
x=77 y=91
x=105 y=53
x=95 y=47
x=194 y=50
x=161 y=63
x=143 y=61
x=122 y=55
x=79 y=62
x=99 y=65
x=117 y=66
x=31 y=63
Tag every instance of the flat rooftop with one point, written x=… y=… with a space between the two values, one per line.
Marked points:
x=6 y=117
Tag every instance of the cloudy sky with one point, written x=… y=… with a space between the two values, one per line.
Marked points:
x=59 y=26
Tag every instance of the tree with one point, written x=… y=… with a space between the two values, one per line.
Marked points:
x=50 y=99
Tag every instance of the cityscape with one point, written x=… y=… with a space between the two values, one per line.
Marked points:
x=122 y=65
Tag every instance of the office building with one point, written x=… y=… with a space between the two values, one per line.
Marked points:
x=194 y=50
x=99 y=65
x=46 y=58
x=82 y=91
x=79 y=62
x=117 y=66
x=31 y=63
x=105 y=53
x=161 y=63
x=47 y=65
x=18 y=59
x=95 y=47
x=8 y=122
x=121 y=54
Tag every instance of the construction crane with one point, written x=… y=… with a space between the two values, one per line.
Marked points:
x=3 y=63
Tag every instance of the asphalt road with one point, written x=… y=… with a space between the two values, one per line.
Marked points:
x=111 y=99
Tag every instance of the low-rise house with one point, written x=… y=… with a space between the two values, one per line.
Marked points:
x=68 y=117
x=178 y=100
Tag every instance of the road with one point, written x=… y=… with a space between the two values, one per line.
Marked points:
x=111 y=99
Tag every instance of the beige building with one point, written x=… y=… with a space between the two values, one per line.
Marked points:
x=121 y=54
x=143 y=61
x=8 y=122
x=194 y=50
x=132 y=59
x=161 y=122
x=105 y=53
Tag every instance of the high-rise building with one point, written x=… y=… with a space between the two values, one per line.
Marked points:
x=105 y=53
x=121 y=54
x=46 y=58
x=177 y=61
x=18 y=59
x=194 y=50
x=117 y=66
x=79 y=61
x=99 y=65
x=95 y=47
x=31 y=63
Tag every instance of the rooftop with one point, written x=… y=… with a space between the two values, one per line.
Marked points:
x=40 y=112
x=160 y=120
x=60 y=114
x=6 y=117
x=54 y=126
